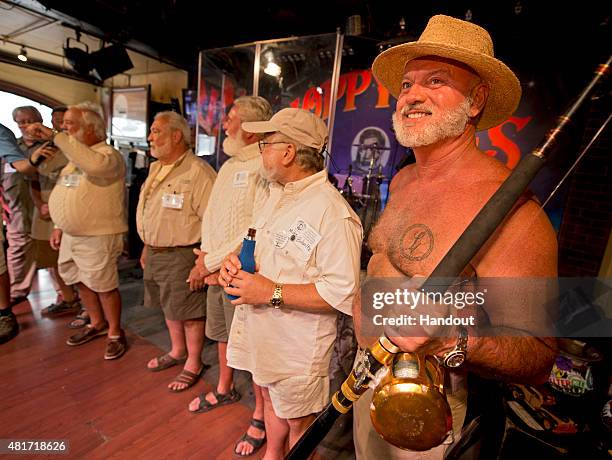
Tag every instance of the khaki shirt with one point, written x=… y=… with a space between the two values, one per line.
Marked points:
x=306 y=233
x=185 y=187
x=48 y=174
x=89 y=198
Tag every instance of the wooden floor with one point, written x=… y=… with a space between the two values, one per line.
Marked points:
x=105 y=409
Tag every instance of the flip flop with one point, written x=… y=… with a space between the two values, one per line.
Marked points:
x=222 y=399
x=166 y=361
x=256 y=443
x=187 y=377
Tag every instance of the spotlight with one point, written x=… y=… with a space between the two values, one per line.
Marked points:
x=273 y=69
x=110 y=61
x=78 y=58
x=23 y=54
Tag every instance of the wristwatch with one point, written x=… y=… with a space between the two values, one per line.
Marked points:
x=457 y=356
x=54 y=132
x=277 y=298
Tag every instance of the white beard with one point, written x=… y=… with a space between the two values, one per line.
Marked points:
x=79 y=135
x=267 y=175
x=233 y=146
x=452 y=123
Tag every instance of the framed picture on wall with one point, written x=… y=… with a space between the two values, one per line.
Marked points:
x=130 y=114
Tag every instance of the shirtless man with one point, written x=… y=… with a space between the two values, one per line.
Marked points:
x=445 y=94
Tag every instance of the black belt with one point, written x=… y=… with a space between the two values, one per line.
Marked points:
x=173 y=248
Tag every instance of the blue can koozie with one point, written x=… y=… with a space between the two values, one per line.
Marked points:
x=247 y=256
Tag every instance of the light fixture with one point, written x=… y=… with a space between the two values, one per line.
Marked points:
x=273 y=69
x=78 y=58
x=23 y=54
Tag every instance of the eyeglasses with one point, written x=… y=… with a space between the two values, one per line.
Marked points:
x=262 y=144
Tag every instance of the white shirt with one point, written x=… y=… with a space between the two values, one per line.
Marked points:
x=237 y=191
x=306 y=233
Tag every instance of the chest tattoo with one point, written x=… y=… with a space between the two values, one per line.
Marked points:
x=417 y=242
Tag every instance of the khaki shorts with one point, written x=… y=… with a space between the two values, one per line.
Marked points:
x=165 y=281
x=91 y=260
x=219 y=314
x=44 y=255
x=299 y=396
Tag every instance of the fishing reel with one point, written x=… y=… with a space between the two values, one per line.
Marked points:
x=409 y=408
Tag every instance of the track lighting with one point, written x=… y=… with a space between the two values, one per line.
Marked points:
x=23 y=54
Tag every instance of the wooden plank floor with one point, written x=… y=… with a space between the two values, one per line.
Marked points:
x=106 y=409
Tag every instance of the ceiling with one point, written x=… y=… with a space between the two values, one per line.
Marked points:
x=44 y=38
x=162 y=34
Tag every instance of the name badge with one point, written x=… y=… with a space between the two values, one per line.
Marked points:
x=173 y=200
x=241 y=179
x=70 y=180
x=304 y=236
x=280 y=239
x=8 y=169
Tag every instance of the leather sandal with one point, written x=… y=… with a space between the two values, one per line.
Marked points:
x=256 y=443
x=222 y=400
x=81 y=320
x=166 y=361
x=188 y=378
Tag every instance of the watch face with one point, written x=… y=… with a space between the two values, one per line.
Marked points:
x=275 y=302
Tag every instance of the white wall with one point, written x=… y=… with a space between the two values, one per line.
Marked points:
x=65 y=90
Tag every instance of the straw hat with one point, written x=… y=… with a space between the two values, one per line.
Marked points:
x=462 y=41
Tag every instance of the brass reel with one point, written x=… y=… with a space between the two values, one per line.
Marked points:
x=409 y=407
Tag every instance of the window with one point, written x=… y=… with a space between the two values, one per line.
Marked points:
x=8 y=101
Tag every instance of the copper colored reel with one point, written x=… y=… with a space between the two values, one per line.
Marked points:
x=409 y=407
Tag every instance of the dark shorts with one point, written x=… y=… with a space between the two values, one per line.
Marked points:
x=220 y=313
x=166 y=287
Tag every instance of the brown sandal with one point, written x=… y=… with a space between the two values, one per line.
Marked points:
x=188 y=378
x=222 y=399
x=255 y=443
x=81 y=320
x=166 y=361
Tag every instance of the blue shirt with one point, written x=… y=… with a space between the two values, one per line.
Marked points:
x=9 y=150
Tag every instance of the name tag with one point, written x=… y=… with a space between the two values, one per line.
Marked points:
x=241 y=179
x=8 y=169
x=304 y=236
x=173 y=200
x=280 y=239
x=70 y=180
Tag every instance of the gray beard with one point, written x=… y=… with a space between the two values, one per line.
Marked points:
x=233 y=146
x=452 y=124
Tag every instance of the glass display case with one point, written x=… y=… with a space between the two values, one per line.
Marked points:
x=225 y=75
